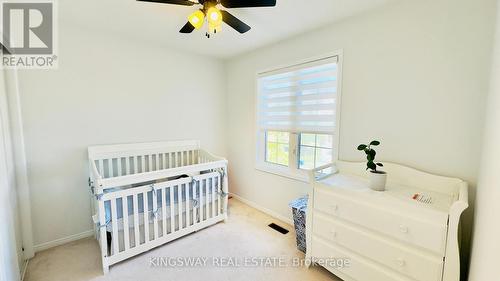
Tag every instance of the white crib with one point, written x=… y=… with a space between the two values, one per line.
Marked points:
x=147 y=194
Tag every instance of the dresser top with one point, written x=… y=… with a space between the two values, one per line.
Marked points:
x=405 y=186
x=393 y=192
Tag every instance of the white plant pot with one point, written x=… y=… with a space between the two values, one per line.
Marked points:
x=378 y=180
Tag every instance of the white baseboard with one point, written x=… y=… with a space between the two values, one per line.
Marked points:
x=64 y=240
x=263 y=209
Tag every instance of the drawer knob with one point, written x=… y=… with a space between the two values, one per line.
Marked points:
x=334 y=207
x=333 y=232
x=403 y=229
x=401 y=262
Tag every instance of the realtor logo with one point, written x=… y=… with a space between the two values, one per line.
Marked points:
x=28 y=35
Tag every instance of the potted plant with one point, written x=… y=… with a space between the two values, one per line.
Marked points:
x=377 y=178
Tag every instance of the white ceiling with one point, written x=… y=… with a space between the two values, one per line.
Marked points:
x=159 y=23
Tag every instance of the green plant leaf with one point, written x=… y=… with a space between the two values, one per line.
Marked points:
x=380 y=164
x=375 y=143
x=362 y=147
x=371 y=165
x=372 y=153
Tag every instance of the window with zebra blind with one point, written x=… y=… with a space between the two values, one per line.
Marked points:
x=298 y=116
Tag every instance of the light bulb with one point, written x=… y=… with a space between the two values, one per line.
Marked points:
x=214 y=16
x=196 y=19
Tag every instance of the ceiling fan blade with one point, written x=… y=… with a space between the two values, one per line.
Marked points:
x=187 y=28
x=234 y=22
x=174 y=2
x=247 y=3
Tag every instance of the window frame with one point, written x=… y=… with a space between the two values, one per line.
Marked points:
x=315 y=147
x=293 y=170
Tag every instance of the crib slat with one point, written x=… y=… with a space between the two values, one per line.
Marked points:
x=136 y=164
x=110 y=167
x=179 y=196
x=212 y=200
x=126 y=227
x=182 y=158
x=202 y=197
x=164 y=210
x=172 y=213
x=207 y=204
x=157 y=162
x=114 y=225
x=101 y=168
x=143 y=164
x=171 y=158
x=127 y=166
x=219 y=189
x=136 y=220
x=200 y=201
x=155 y=215
x=196 y=201
x=188 y=210
x=146 y=216
x=119 y=166
x=150 y=161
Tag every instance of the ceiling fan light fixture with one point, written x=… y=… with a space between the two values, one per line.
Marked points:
x=214 y=16
x=196 y=19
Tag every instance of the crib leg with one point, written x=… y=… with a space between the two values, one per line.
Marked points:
x=105 y=267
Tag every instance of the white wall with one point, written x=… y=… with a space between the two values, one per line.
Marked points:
x=485 y=259
x=415 y=77
x=108 y=90
x=11 y=255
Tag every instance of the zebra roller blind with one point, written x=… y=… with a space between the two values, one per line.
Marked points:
x=300 y=98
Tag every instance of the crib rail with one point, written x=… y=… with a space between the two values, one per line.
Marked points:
x=140 y=163
x=107 y=183
x=139 y=149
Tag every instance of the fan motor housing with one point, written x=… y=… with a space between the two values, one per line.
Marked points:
x=208 y=3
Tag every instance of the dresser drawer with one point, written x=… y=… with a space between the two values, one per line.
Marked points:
x=359 y=268
x=408 y=261
x=430 y=235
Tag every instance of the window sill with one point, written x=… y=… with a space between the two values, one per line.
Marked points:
x=301 y=175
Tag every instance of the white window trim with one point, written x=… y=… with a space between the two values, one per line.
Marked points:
x=292 y=171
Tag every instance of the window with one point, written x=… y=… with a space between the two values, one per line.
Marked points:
x=297 y=117
x=315 y=150
x=277 y=147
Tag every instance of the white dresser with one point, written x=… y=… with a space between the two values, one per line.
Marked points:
x=385 y=236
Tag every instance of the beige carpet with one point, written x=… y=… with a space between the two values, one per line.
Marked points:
x=245 y=235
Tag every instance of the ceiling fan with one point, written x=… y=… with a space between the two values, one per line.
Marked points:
x=213 y=15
